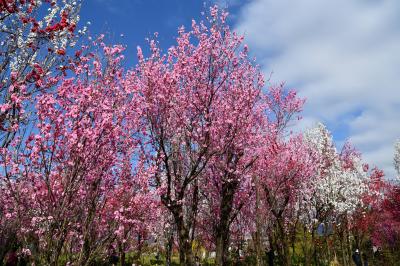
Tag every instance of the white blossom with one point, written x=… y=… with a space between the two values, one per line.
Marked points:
x=397 y=157
x=337 y=189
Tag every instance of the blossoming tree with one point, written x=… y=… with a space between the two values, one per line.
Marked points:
x=397 y=157
x=61 y=190
x=198 y=112
x=34 y=38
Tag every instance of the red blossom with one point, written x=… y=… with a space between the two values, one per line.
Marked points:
x=60 y=52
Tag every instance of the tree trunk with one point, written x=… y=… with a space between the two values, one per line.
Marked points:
x=185 y=246
x=85 y=252
x=121 y=254
x=284 y=249
x=306 y=248
x=314 y=246
x=222 y=247
x=328 y=253
x=87 y=238
x=286 y=252
x=222 y=228
x=169 y=247
x=344 y=260
x=139 y=248
x=258 y=237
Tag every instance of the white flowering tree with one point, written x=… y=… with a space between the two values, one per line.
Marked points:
x=339 y=185
x=397 y=157
x=342 y=177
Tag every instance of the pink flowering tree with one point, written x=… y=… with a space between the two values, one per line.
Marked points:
x=35 y=36
x=60 y=191
x=34 y=39
x=386 y=230
x=284 y=166
x=131 y=211
x=284 y=169
x=235 y=136
x=199 y=104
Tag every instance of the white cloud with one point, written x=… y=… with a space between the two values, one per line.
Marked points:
x=344 y=56
x=227 y=3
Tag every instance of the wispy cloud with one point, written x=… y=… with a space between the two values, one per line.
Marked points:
x=344 y=56
x=228 y=3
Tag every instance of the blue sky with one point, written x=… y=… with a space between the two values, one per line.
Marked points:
x=138 y=19
x=343 y=56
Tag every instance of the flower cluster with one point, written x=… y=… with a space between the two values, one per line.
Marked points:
x=35 y=36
